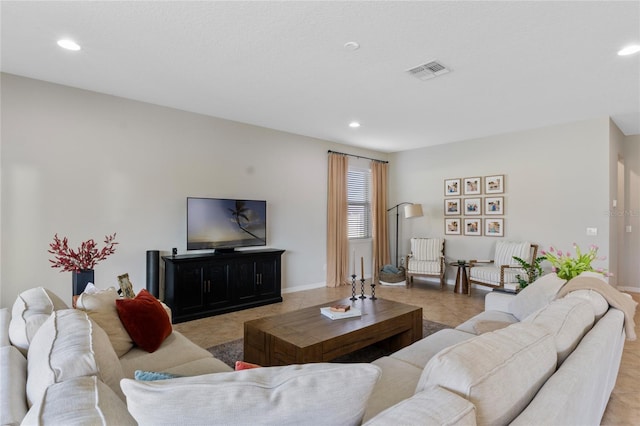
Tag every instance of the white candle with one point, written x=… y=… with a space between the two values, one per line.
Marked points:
x=354 y=261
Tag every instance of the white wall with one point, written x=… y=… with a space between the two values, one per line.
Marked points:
x=83 y=165
x=557 y=185
x=630 y=215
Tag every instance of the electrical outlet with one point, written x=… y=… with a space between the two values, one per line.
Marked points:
x=592 y=232
x=628 y=228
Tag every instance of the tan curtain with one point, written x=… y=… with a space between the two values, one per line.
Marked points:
x=337 y=227
x=380 y=224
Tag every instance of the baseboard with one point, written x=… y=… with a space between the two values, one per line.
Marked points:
x=629 y=289
x=303 y=287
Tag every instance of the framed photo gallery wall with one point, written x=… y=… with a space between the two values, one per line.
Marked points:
x=474 y=206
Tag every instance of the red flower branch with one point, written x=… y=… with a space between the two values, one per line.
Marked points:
x=86 y=257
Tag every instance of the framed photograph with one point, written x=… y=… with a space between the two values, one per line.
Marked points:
x=452 y=226
x=451 y=187
x=494 y=205
x=494 y=184
x=472 y=186
x=473 y=226
x=126 y=287
x=472 y=206
x=452 y=207
x=494 y=227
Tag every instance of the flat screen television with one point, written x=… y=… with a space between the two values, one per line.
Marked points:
x=225 y=224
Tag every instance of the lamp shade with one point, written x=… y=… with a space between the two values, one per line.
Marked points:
x=413 y=210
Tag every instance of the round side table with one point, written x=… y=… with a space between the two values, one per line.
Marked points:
x=462 y=281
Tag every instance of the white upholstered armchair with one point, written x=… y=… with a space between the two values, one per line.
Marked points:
x=503 y=268
x=426 y=259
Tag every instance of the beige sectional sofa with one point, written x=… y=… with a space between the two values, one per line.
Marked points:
x=527 y=359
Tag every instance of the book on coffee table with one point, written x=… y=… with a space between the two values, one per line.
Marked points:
x=327 y=312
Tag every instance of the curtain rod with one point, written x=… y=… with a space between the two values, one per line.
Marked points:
x=357 y=156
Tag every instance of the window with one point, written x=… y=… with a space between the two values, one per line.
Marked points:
x=359 y=199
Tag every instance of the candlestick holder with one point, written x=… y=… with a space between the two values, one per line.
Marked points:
x=373 y=291
x=362 y=296
x=353 y=287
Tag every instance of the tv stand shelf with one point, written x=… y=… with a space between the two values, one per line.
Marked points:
x=206 y=284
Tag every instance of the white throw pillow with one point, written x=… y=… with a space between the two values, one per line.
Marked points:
x=498 y=372
x=79 y=401
x=536 y=295
x=568 y=319
x=30 y=310
x=68 y=345
x=101 y=307
x=319 y=394
x=13 y=383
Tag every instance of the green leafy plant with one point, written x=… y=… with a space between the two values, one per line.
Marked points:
x=567 y=266
x=532 y=270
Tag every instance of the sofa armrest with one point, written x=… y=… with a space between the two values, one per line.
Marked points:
x=498 y=301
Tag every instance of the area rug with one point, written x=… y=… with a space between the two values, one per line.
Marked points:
x=231 y=352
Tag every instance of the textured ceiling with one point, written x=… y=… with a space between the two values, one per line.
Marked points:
x=515 y=65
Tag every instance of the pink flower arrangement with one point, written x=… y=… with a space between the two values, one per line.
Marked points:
x=568 y=267
x=86 y=257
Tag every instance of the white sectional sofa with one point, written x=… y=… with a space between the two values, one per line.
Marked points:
x=527 y=359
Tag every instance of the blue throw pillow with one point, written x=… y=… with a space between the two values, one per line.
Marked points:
x=149 y=376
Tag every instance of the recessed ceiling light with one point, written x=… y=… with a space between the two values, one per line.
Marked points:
x=351 y=45
x=629 y=50
x=68 y=44
x=354 y=124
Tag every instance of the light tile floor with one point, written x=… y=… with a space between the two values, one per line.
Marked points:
x=443 y=306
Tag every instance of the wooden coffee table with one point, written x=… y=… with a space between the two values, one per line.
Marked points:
x=308 y=336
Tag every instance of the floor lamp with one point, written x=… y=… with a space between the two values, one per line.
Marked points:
x=410 y=210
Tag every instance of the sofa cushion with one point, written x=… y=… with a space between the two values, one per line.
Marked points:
x=469 y=326
x=499 y=372
x=68 y=345
x=200 y=366
x=79 y=401
x=420 y=352
x=145 y=320
x=320 y=393
x=175 y=351
x=101 y=307
x=429 y=249
x=30 y=310
x=535 y=296
x=568 y=320
x=5 y=320
x=434 y=406
x=597 y=301
x=13 y=385
x=397 y=383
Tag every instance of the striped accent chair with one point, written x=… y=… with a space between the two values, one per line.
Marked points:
x=426 y=259
x=503 y=268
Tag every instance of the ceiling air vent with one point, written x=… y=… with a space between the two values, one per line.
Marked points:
x=428 y=71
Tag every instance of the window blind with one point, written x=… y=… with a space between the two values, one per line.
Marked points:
x=359 y=200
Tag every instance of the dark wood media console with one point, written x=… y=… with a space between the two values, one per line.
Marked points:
x=202 y=285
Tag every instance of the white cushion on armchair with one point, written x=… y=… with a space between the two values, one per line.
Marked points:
x=505 y=250
x=429 y=249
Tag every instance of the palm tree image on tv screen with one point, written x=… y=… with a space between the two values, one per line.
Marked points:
x=214 y=223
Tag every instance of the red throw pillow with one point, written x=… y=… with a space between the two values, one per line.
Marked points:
x=145 y=320
x=241 y=365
